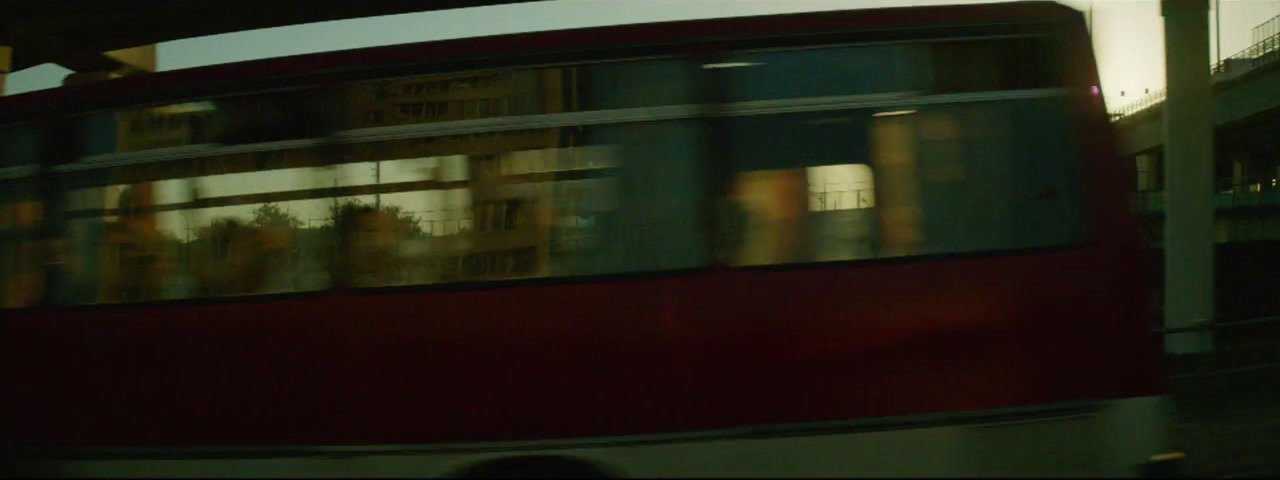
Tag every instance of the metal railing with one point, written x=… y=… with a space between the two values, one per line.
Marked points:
x=1153 y=201
x=1266 y=29
x=842 y=199
x=1262 y=53
x=1155 y=98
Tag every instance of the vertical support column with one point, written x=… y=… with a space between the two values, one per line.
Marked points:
x=1188 y=123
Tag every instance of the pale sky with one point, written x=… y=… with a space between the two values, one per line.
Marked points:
x=1128 y=34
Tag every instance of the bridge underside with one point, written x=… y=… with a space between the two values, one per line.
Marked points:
x=1244 y=157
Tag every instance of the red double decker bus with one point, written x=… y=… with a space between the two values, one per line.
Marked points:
x=874 y=242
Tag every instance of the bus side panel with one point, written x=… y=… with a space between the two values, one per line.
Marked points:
x=644 y=356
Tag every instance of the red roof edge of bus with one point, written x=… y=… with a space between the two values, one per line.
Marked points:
x=25 y=107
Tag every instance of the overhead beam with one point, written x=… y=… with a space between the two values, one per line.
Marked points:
x=127 y=61
x=43 y=34
x=139 y=59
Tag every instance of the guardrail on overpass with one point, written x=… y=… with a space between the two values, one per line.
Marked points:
x=1264 y=52
x=1153 y=202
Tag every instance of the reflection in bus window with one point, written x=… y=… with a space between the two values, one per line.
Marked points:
x=20 y=146
x=529 y=91
x=841 y=215
x=794 y=176
x=995 y=64
x=823 y=72
x=616 y=198
x=371 y=243
x=421 y=99
x=893 y=151
x=21 y=258
x=231 y=257
x=944 y=179
x=999 y=175
x=940 y=67
x=463 y=208
x=155 y=127
x=774 y=202
x=154 y=241
x=632 y=84
x=134 y=256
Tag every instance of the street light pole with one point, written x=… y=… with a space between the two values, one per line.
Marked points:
x=1217 y=30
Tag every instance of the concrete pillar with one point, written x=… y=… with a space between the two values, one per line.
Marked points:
x=1189 y=228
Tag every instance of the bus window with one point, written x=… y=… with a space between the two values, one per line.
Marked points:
x=960 y=66
x=824 y=72
x=21 y=258
x=295 y=114
x=21 y=255
x=841 y=213
x=491 y=203
x=421 y=99
x=660 y=190
x=802 y=184
x=559 y=202
x=1000 y=175
x=1021 y=63
x=535 y=91
x=192 y=237
x=949 y=178
x=134 y=249
x=893 y=150
x=167 y=126
x=462 y=208
x=650 y=83
x=774 y=203
x=20 y=146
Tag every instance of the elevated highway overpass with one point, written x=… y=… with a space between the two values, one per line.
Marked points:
x=1245 y=91
x=1246 y=137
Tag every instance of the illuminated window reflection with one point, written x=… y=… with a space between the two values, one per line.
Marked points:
x=590 y=200
x=861 y=184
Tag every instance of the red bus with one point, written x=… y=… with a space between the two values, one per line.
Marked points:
x=873 y=242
